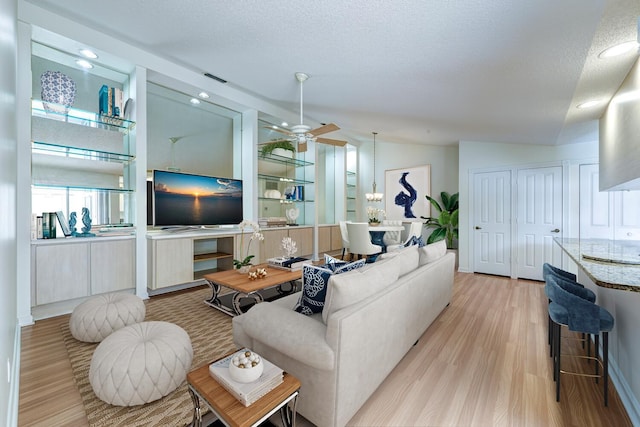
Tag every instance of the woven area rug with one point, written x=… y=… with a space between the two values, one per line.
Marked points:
x=211 y=338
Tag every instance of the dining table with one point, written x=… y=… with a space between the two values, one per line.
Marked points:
x=377 y=234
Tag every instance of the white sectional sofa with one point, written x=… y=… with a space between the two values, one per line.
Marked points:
x=371 y=319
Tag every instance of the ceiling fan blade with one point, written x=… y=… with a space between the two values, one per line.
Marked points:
x=336 y=142
x=324 y=129
x=285 y=131
x=302 y=147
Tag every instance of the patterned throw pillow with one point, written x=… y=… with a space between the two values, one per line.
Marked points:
x=315 y=279
x=416 y=241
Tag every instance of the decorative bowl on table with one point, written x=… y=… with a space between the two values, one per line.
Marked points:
x=245 y=367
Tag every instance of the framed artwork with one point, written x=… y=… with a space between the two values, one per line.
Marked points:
x=405 y=190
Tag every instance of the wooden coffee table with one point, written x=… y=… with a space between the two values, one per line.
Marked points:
x=233 y=413
x=243 y=287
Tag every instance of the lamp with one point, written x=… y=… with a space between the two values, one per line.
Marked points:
x=374 y=196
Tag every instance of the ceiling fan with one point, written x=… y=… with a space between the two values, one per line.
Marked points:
x=301 y=133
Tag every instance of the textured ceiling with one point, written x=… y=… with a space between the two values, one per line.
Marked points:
x=418 y=71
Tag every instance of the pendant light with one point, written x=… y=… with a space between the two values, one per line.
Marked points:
x=374 y=196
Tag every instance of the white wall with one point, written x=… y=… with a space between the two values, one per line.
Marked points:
x=443 y=161
x=9 y=332
x=476 y=156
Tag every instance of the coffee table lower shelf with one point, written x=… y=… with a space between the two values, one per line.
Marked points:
x=226 y=408
x=235 y=303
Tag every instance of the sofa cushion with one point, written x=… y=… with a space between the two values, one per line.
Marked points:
x=314 y=284
x=432 y=252
x=408 y=259
x=354 y=286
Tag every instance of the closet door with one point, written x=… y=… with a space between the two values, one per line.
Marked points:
x=607 y=214
x=492 y=222
x=539 y=220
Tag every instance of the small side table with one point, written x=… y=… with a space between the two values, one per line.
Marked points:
x=233 y=413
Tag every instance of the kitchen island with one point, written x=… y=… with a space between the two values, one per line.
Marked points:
x=611 y=269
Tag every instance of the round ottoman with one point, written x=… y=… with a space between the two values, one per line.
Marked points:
x=97 y=317
x=140 y=363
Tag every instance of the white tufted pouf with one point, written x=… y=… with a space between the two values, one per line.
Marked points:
x=97 y=317
x=140 y=363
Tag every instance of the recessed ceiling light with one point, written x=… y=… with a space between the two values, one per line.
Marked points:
x=88 y=53
x=588 y=104
x=284 y=124
x=618 y=49
x=194 y=101
x=203 y=95
x=84 y=64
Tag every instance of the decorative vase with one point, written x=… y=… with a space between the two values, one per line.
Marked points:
x=244 y=269
x=58 y=89
x=374 y=223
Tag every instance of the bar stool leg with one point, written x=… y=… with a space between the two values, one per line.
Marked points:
x=605 y=366
x=557 y=352
x=595 y=354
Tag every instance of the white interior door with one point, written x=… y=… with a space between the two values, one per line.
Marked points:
x=539 y=220
x=492 y=217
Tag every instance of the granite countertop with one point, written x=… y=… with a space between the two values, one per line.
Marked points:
x=609 y=263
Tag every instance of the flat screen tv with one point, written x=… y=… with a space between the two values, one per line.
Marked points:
x=182 y=199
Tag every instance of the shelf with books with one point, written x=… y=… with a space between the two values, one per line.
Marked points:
x=80 y=117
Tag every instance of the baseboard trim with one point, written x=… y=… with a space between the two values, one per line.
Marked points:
x=14 y=390
x=627 y=397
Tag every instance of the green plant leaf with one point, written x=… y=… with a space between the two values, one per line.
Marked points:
x=453 y=203
x=434 y=203
x=437 y=235
x=454 y=218
x=445 y=218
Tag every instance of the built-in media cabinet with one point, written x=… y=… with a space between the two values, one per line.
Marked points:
x=178 y=259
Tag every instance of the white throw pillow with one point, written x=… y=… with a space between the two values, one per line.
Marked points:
x=432 y=252
x=352 y=287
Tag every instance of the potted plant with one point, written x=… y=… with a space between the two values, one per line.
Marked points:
x=375 y=215
x=243 y=263
x=446 y=223
x=278 y=147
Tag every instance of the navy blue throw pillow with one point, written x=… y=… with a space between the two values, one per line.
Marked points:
x=315 y=279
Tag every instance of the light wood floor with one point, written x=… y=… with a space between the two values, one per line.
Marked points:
x=483 y=362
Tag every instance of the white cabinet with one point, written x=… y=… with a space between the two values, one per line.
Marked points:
x=176 y=261
x=62 y=272
x=329 y=239
x=80 y=268
x=112 y=266
x=272 y=245
x=171 y=262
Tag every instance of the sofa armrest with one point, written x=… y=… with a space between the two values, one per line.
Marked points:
x=289 y=332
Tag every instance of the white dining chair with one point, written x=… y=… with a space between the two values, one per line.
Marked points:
x=414 y=230
x=344 y=234
x=360 y=240
x=392 y=237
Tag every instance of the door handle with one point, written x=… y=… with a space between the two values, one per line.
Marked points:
x=555 y=230
x=478 y=228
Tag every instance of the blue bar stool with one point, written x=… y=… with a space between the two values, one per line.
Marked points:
x=580 y=315
x=573 y=287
